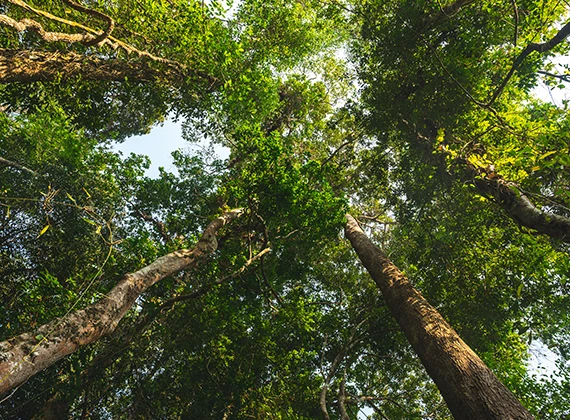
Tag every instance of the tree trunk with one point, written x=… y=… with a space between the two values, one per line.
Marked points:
x=27 y=354
x=469 y=387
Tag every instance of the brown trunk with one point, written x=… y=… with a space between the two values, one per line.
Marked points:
x=40 y=66
x=23 y=356
x=469 y=387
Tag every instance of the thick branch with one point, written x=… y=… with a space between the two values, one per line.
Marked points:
x=27 y=354
x=28 y=66
x=32 y=25
x=510 y=197
x=469 y=387
x=342 y=399
x=95 y=37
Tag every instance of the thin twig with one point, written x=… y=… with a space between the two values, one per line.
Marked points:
x=6 y=162
x=205 y=289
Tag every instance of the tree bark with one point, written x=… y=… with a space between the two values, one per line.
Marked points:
x=510 y=197
x=469 y=387
x=27 y=66
x=23 y=356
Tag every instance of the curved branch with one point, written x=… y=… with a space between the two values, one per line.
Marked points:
x=28 y=354
x=113 y=42
x=541 y=48
x=511 y=198
x=205 y=289
x=32 y=25
x=98 y=15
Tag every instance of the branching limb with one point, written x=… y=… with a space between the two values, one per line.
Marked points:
x=205 y=289
x=513 y=200
x=157 y=223
x=98 y=15
x=32 y=25
x=27 y=354
x=541 y=48
x=95 y=37
x=563 y=77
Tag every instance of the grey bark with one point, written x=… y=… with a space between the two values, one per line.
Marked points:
x=23 y=356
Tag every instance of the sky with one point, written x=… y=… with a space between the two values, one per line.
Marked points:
x=159 y=145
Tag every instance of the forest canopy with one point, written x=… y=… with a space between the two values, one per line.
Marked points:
x=388 y=238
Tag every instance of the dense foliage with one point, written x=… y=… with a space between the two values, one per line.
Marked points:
x=397 y=111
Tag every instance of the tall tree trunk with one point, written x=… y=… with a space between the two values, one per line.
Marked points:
x=23 y=356
x=469 y=387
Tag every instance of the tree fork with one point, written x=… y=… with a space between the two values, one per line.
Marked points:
x=469 y=387
x=25 y=355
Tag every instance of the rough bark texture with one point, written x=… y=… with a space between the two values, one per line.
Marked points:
x=27 y=354
x=510 y=197
x=469 y=387
x=27 y=66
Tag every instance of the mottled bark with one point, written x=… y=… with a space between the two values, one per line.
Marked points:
x=469 y=387
x=27 y=66
x=27 y=354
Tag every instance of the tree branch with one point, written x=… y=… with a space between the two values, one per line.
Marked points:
x=205 y=289
x=563 y=77
x=110 y=22
x=342 y=399
x=157 y=223
x=541 y=48
x=32 y=25
x=6 y=162
x=28 y=354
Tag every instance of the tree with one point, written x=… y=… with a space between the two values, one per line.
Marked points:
x=469 y=387
x=280 y=321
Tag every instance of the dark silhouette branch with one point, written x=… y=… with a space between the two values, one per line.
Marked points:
x=563 y=77
x=157 y=223
x=516 y=16
x=541 y=48
x=205 y=289
x=6 y=162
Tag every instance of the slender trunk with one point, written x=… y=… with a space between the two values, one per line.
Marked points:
x=23 y=356
x=469 y=387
